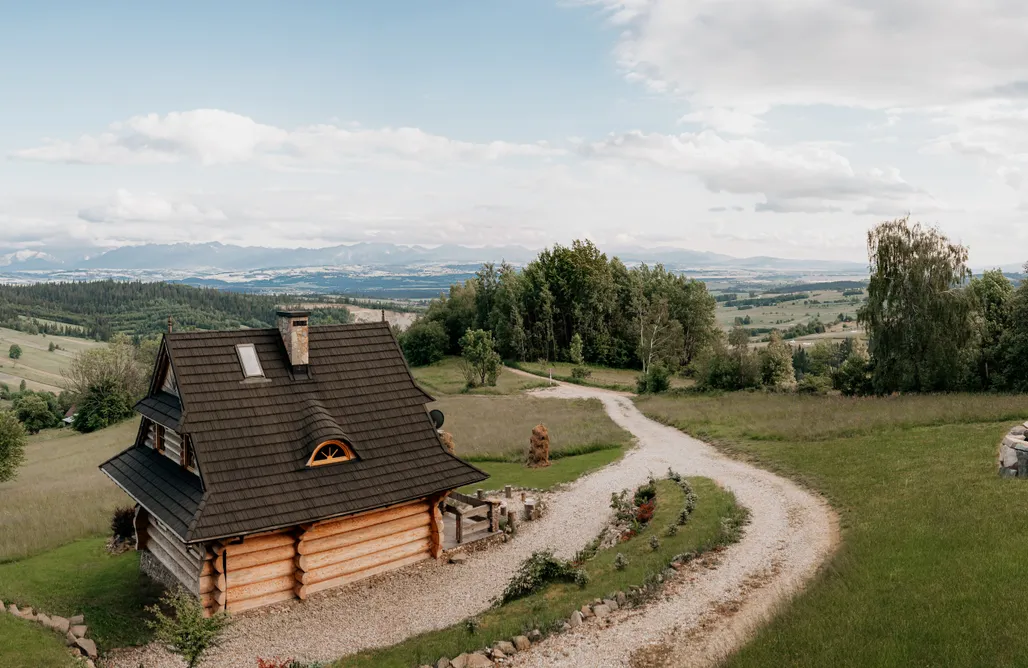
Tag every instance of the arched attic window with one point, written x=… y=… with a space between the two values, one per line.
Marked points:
x=330 y=452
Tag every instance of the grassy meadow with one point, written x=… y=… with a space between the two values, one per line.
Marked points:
x=40 y=368
x=555 y=602
x=444 y=377
x=59 y=494
x=623 y=380
x=931 y=567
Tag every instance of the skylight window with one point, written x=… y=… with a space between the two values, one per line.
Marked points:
x=249 y=361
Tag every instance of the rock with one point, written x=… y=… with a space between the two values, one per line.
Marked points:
x=60 y=624
x=69 y=639
x=478 y=661
x=587 y=612
x=535 y=635
x=1019 y=430
x=460 y=661
x=25 y=613
x=88 y=647
x=565 y=627
x=620 y=598
x=79 y=631
x=76 y=620
x=497 y=654
x=1007 y=455
x=601 y=611
x=576 y=619
x=44 y=620
x=1008 y=473
x=506 y=647
x=611 y=604
x=521 y=643
x=443 y=663
x=458 y=558
x=90 y=664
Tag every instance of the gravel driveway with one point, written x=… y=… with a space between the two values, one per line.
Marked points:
x=791 y=533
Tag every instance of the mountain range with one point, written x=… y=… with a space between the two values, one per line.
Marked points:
x=207 y=257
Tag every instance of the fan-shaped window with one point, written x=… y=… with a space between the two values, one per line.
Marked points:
x=330 y=452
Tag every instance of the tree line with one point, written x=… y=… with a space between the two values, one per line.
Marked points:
x=623 y=317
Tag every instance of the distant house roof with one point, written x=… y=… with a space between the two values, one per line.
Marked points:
x=253 y=437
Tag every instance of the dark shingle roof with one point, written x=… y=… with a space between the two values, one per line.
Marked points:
x=164 y=488
x=252 y=439
x=163 y=408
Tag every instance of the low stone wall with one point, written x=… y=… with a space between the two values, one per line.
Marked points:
x=1013 y=453
x=73 y=629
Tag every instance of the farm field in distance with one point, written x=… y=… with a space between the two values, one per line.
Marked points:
x=823 y=304
x=40 y=368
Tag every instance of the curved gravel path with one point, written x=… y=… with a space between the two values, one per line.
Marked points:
x=791 y=533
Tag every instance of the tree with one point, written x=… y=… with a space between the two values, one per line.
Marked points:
x=424 y=342
x=853 y=377
x=186 y=632
x=103 y=404
x=575 y=350
x=992 y=297
x=115 y=365
x=14 y=352
x=917 y=317
x=34 y=413
x=12 y=445
x=479 y=360
x=776 y=362
x=660 y=337
x=52 y=347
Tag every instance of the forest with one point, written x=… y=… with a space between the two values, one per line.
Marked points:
x=99 y=309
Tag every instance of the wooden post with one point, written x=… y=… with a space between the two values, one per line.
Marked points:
x=437 y=526
x=298 y=588
x=530 y=509
x=480 y=493
x=508 y=491
x=139 y=522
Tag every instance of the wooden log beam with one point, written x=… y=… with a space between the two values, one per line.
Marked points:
x=189 y=560
x=355 y=522
x=303 y=591
x=234 y=578
x=208 y=583
x=372 y=532
x=251 y=559
x=361 y=563
x=260 y=601
x=253 y=590
x=255 y=543
x=310 y=562
x=188 y=580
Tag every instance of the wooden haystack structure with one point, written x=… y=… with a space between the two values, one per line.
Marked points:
x=274 y=463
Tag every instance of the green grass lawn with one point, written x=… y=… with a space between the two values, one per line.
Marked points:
x=501 y=426
x=550 y=606
x=931 y=567
x=559 y=471
x=445 y=377
x=81 y=577
x=24 y=645
x=59 y=494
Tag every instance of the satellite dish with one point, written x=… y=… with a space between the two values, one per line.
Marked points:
x=437 y=417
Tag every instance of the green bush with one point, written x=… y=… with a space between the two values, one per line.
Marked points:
x=656 y=379
x=34 y=413
x=814 y=384
x=424 y=342
x=187 y=632
x=105 y=403
x=536 y=572
x=12 y=445
x=480 y=363
x=14 y=352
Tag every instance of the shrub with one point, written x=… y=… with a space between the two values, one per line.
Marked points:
x=656 y=379
x=674 y=475
x=51 y=347
x=536 y=572
x=814 y=384
x=580 y=373
x=14 y=352
x=581 y=578
x=123 y=524
x=187 y=632
x=683 y=517
x=480 y=363
x=672 y=530
x=623 y=510
x=575 y=351
x=645 y=493
x=424 y=342
x=5 y=391
x=620 y=562
x=12 y=445
x=105 y=403
x=654 y=543
x=645 y=512
x=34 y=413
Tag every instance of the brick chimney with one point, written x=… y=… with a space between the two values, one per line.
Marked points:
x=293 y=327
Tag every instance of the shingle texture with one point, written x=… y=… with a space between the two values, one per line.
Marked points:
x=160 y=485
x=252 y=439
x=163 y=408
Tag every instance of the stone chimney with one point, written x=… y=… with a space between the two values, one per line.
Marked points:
x=293 y=327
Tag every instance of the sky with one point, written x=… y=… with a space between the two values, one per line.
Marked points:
x=744 y=127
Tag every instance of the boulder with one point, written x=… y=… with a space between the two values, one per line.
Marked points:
x=565 y=627
x=535 y=635
x=506 y=647
x=44 y=620
x=611 y=604
x=1019 y=430
x=443 y=663
x=459 y=661
x=497 y=655
x=1007 y=455
x=77 y=620
x=576 y=619
x=587 y=612
x=458 y=558
x=26 y=613
x=88 y=647
x=60 y=624
x=478 y=661
x=621 y=598
x=521 y=643
x=601 y=611
x=69 y=639
x=539 y=447
x=79 y=630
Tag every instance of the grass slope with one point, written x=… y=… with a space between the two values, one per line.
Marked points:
x=556 y=602
x=59 y=495
x=81 y=577
x=24 y=645
x=445 y=377
x=40 y=368
x=931 y=567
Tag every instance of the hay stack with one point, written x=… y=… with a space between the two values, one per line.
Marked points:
x=447 y=439
x=539 y=448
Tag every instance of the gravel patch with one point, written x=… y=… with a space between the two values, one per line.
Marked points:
x=791 y=532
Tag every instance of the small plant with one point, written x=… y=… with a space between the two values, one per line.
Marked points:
x=645 y=512
x=647 y=492
x=683 y=517
x=580 y=373
x=123 y=524
x=537 y=571
x=672 y=530
x=471 y=625
x=52 y=347
x=620 y=562
x=187 y=632
x=581 y=578
x=623 y=510
x=654 y=543
x=673 y=475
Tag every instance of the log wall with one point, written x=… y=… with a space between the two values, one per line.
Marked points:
x=272 y=567
x=188 y=564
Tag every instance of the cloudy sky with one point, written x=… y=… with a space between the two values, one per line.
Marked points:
x=738 y=126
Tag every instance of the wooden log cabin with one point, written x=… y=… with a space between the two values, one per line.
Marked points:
x=271 y=464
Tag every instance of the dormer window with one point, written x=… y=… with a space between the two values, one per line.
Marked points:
x=249 y=361
x=330 y=452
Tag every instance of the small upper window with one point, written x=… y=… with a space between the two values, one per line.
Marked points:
x=249 y=361
x=330 y=452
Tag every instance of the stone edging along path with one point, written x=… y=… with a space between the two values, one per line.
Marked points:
x=791 y=532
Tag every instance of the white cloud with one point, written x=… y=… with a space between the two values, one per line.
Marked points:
x=124 y=206
x=213 y=136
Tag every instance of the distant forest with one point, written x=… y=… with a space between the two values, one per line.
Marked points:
x=99 y=309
